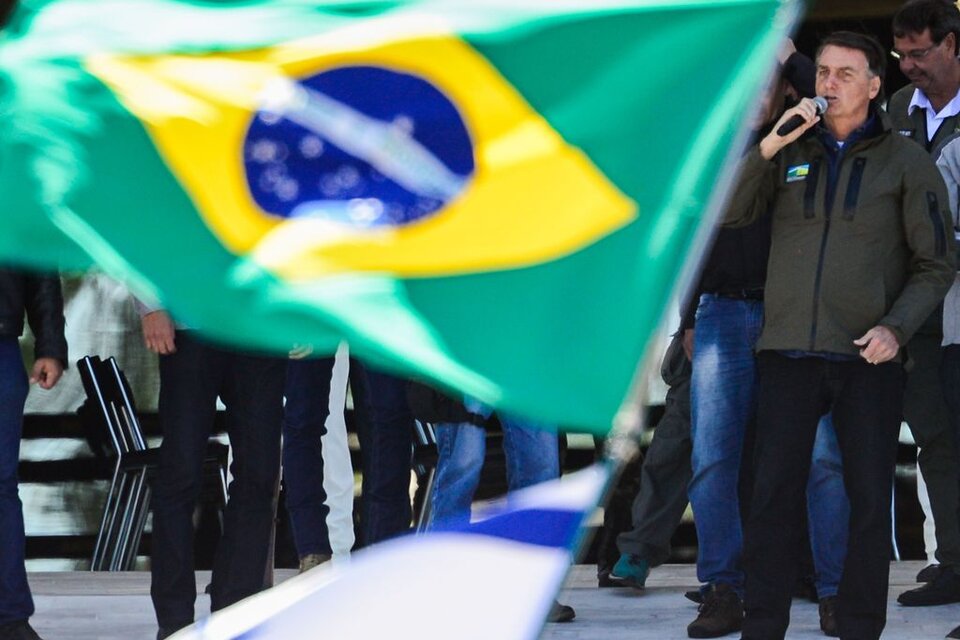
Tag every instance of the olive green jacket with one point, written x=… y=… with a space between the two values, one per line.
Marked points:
x=881 y=253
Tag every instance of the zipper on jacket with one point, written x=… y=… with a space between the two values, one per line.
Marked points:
x=853 y=188
x=819 y=278
x=830 y=193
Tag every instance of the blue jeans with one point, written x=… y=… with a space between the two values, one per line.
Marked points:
x=723 y=397
x=531 y=452
x=304 y=423
x=828 y=510
x=15 y=600
x=386 y=448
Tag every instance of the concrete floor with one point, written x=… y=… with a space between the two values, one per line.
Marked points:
x=116 y=606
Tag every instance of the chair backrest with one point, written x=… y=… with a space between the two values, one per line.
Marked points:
x=109 y=394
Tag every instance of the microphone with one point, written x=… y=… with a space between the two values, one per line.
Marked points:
x=798 y=120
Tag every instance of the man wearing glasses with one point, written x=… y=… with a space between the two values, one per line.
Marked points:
x=925 y=37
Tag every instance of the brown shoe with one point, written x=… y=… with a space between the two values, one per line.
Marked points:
x=828 y=617
x=312 y=560
x=721 y=613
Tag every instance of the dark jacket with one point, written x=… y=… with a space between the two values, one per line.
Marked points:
x=914 y=125
x=40 y=296
x=866 y=244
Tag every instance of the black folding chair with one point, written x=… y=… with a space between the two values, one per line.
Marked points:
x=425 y=468
x=110 y=404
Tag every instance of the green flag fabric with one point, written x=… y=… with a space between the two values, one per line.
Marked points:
x=494 y=196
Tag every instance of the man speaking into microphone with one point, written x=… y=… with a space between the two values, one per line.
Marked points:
x=860 y=256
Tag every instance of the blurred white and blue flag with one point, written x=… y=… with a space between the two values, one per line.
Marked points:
x=495 y=578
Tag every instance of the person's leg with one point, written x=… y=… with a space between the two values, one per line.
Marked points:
x=866 y=417
x=307 y=391
x=531 y=450
x=386 y=448
x=664 y=476
x=925 y=411
x=722 y=395
x=15 y=600
x=828 y=510
x=253 y=395
x=189 y=379
x=337 y=466
x=461 y=449
x=791 y=400
x=929 y=528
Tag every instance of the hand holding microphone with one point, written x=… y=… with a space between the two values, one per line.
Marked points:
x=819 y=103
x=792 y=124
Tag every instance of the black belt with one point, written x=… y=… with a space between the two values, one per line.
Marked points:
x=742 y=294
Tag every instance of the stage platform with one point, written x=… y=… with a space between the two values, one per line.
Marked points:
x=116 y=606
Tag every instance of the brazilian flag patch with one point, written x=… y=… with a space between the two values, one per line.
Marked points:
x=798 y=173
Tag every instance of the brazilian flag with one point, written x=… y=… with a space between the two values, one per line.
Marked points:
x=495 y=195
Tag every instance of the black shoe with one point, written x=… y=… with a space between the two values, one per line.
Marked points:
x=929 y=573
x=806 y=589
x=695 y=596
x=561 y=613
x=828 y=617
x=604 y=581
x=955 y=633
x=19 y=630
x=721 y=613
x=945 y=589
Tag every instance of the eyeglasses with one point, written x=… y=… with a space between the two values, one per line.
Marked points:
x=916 y=54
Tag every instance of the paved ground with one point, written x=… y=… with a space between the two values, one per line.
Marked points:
x=86 y=606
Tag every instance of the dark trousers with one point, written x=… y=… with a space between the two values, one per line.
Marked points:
x=866 y=402
x=931 y=422
x=950 y=376
x=662 y=499
x=385 y=432
x=251 y=388
x=304 y=424
x=15 y=600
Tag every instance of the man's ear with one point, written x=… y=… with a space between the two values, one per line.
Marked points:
x=875 y=83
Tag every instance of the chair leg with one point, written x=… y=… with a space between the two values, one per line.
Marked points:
x=423 y=518
x=140 y=508
x=116 y=523
x=98 y=560
x=130 y=517
x=122 y=526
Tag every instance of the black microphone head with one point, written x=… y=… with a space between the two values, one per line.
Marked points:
x=821 y=103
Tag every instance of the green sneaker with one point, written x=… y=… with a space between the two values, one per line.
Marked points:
x=630 y=571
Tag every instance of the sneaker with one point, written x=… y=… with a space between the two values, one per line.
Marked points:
x=828 y=616
x=561 y=613
x=695 y=596
x=955 y=633
x=630 y=571
x=721 y=613
x=312 y=560
x=19 y=630
x=945 y=589
x=929 y=573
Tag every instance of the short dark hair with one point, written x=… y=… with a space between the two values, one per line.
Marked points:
x=942 y=17
x=869 y=45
